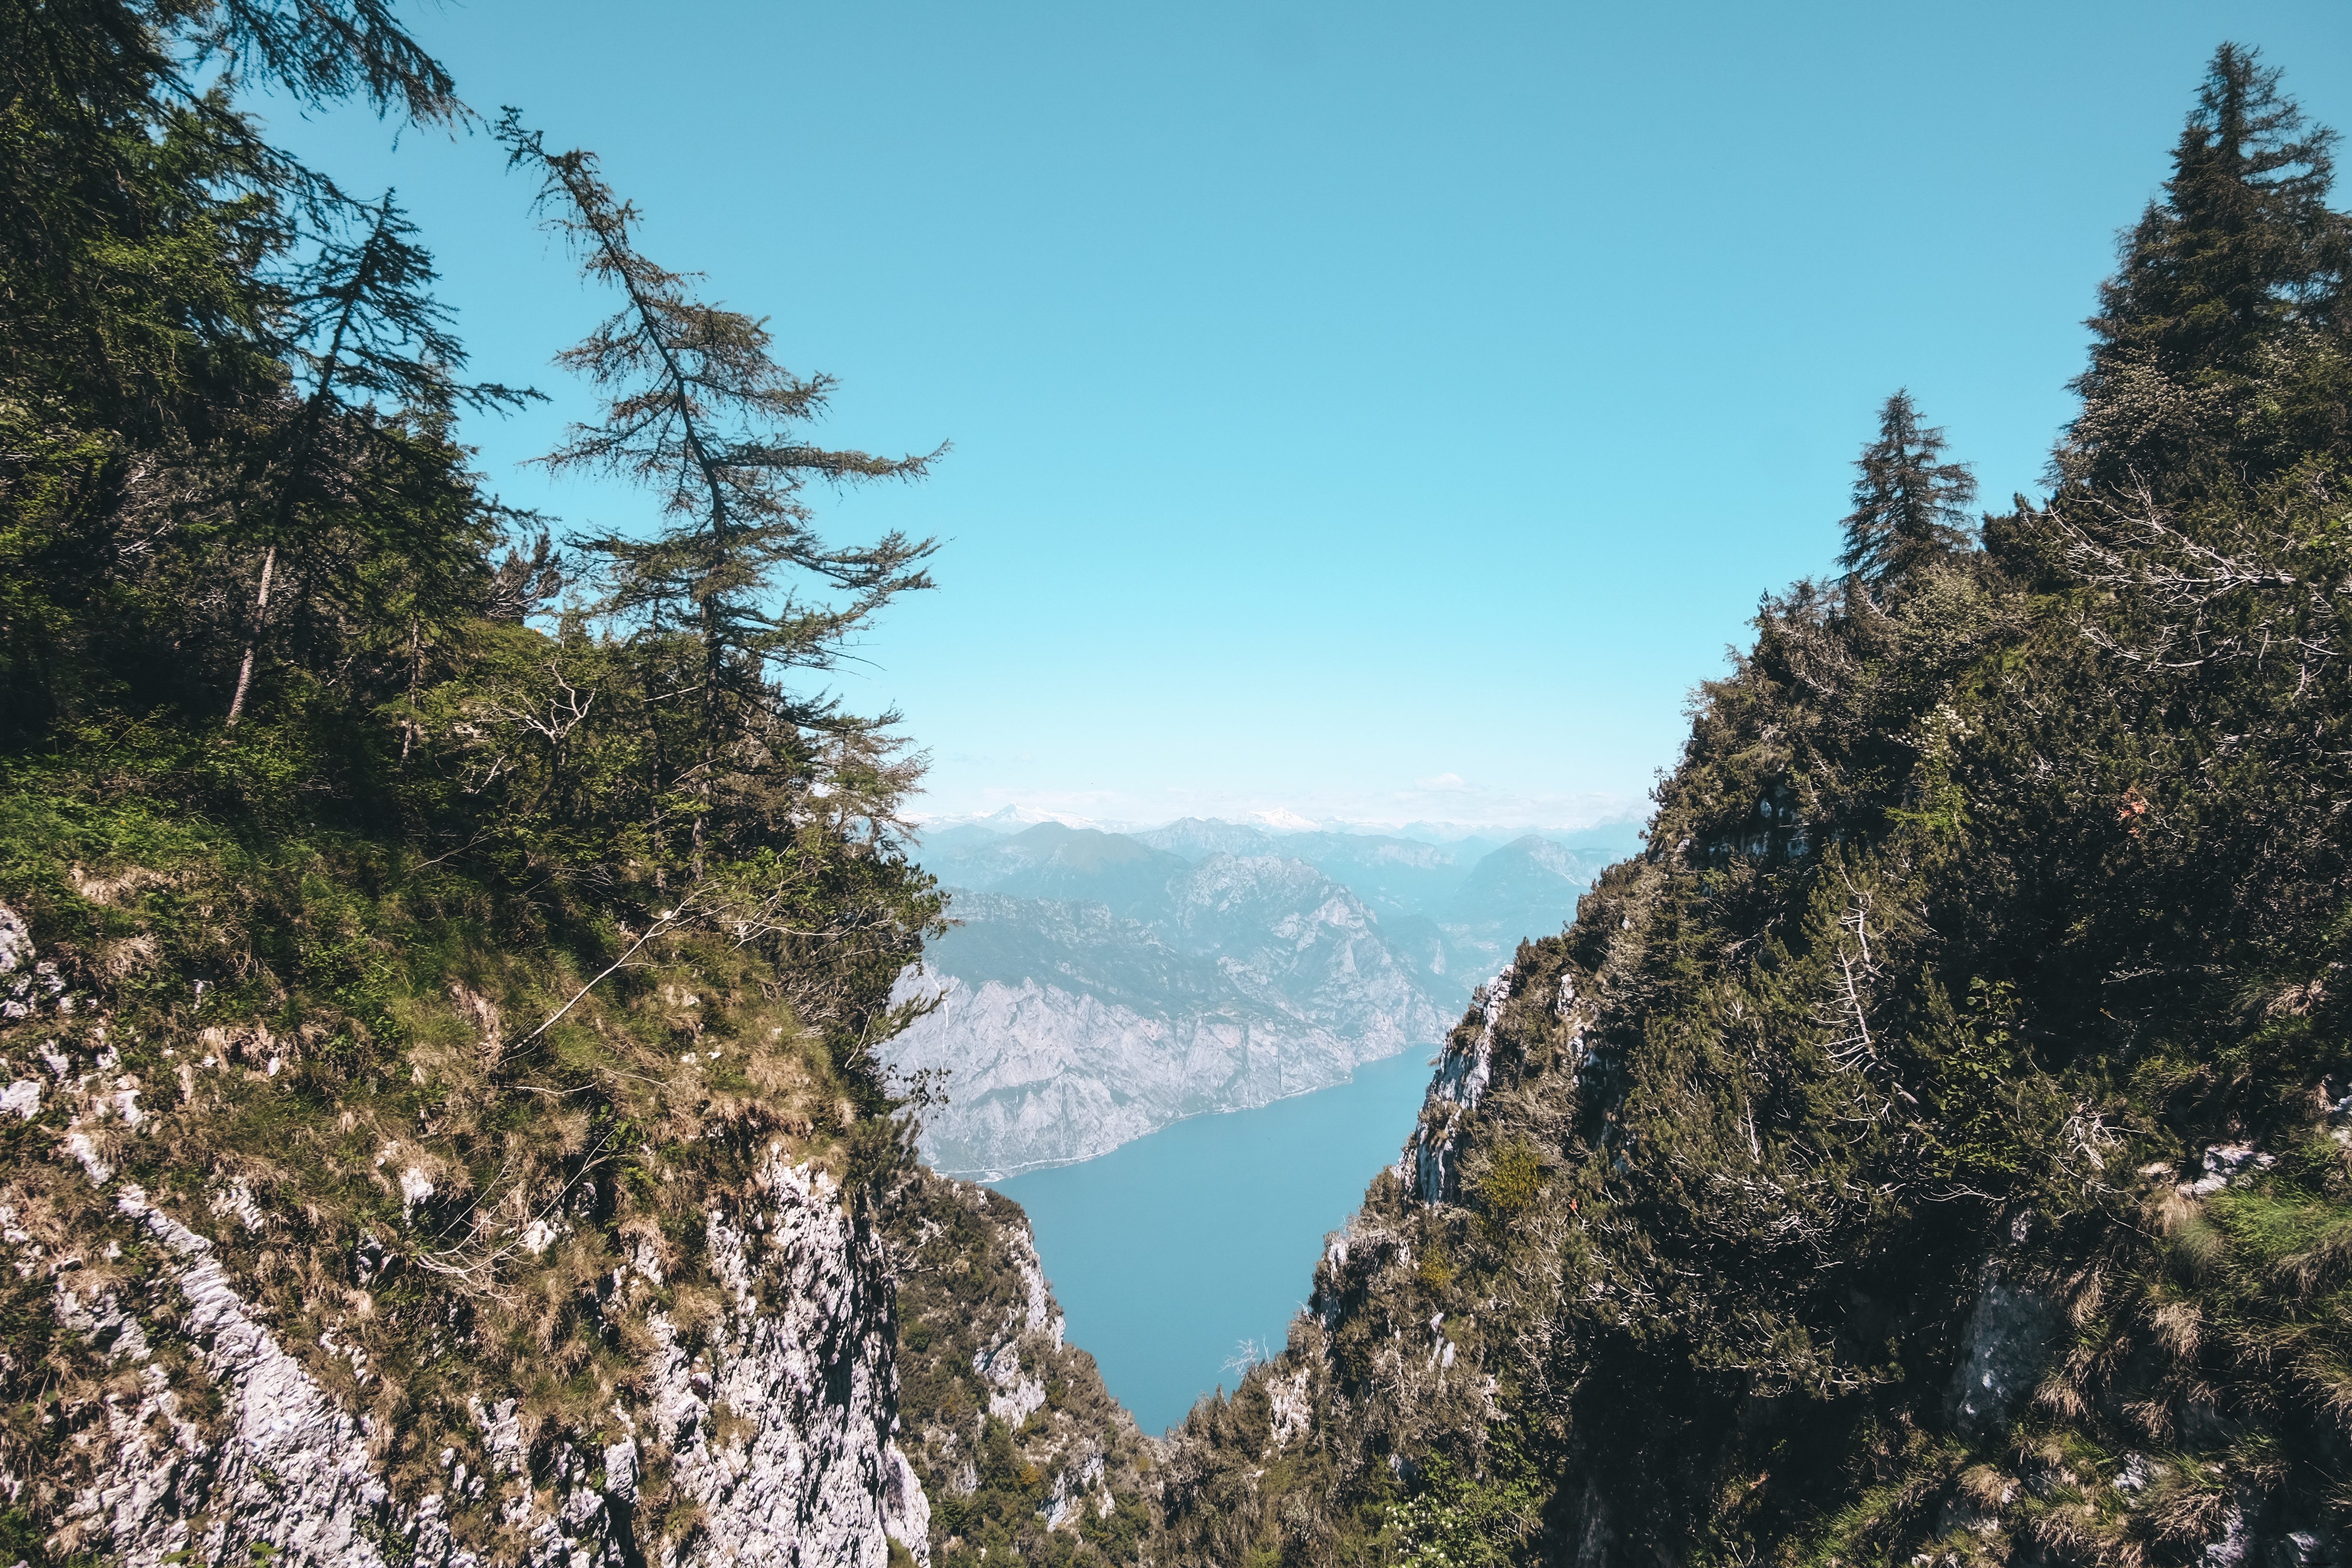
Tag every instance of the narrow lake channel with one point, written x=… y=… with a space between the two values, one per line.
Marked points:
x=1171 y=1255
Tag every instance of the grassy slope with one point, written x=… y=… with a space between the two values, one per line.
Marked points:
x=312 y=1013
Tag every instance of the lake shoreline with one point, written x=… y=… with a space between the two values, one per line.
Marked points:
x=991 y=1178
x=1180 y=1252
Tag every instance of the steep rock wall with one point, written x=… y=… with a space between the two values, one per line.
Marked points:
x=1040 y=1075
x=1065 y=1029
x=1021 y=1448
x=209 y=1434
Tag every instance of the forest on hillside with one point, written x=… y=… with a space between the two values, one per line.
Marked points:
x=1936 y=1147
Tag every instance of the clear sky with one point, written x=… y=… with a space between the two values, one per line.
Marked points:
x=1376 y=411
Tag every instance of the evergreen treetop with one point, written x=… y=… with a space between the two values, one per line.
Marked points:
x=1909 y=509
x=2218 y=347
x=699 y=412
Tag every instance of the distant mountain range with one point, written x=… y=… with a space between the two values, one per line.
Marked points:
x=1100 y=985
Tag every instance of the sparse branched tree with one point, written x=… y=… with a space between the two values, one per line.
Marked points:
x=360 y=326
x=1910 y=508
x=737 y=584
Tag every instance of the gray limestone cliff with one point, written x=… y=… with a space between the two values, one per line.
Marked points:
x=1100 y=985
x=1064 y=1029
x=163 y=1411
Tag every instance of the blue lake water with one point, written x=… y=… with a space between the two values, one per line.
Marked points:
x=1169 y=1253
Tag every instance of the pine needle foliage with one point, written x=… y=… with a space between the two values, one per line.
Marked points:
x=701 y=414
x=2231 y=283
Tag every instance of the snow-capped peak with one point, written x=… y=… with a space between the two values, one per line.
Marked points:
x=1011 y=819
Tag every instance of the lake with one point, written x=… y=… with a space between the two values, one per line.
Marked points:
x=1174 y=1254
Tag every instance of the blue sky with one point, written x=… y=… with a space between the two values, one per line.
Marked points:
x=1371 y=411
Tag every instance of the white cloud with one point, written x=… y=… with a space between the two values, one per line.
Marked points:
x=1446 y=799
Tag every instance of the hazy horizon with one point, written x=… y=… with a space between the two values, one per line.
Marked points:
x=1275 y=820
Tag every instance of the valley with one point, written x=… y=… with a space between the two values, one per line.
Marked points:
x=1183 y=1254
x=502 y=1066
x=1098 y=986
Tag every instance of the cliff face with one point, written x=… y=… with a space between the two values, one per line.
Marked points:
x=1021 y=1449
x=1040 y=1075
x=1065 y=1029
x=202 y=1368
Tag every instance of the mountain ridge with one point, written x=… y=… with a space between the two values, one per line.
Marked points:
x=1934 y=1146
x=1223 y=967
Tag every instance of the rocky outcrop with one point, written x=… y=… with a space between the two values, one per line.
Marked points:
x=205 y=1431
x=801 y=1472
x=1427 y=1165
x=2007 y=1343
x=1022 y=1450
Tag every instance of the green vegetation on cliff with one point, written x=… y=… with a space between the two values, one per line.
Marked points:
x=458 y=928
x=1023 y=1454
x=1928 y=1150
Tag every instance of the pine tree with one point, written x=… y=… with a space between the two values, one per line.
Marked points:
x=1908 y=509
x=2230 y=284
x=737 y=588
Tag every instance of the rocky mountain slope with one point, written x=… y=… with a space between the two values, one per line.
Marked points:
x=1511 y=894
x=436 y=1125
x=1064 y=1029
x=1022 y=1453
x=1100 y=985
x=1095 y=1032
x=276 y=1352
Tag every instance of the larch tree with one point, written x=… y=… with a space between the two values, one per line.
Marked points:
x=358 y=324
x=737 y=593
x=1910 y=508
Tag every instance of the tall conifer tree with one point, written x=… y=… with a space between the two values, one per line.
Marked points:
x=738 y=591
x=2218 y=348
x=1909 y=509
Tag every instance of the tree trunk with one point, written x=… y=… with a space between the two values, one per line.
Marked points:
x=253 y=638
x=415 y=672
